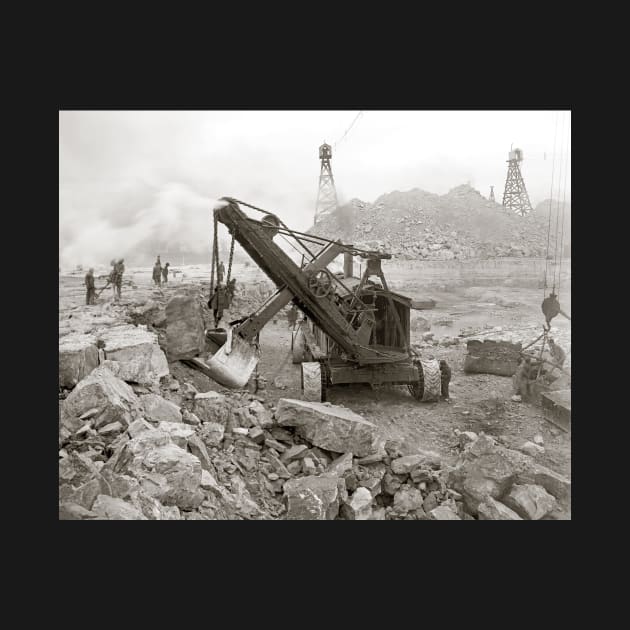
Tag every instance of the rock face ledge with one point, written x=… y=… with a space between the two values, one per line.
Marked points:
x=185 y=337
x=78 y=356
x=329 y=426
x=137 y=352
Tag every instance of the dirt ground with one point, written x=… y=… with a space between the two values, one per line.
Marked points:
x=478 y=402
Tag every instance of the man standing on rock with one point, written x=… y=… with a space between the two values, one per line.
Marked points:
x=89 y=285
x=217 y=303
x=112 y=278
x=231 y=291
x=165 y=272
x=119 y=271
x=157 y=273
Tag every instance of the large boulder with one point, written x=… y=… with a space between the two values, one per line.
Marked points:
x=404 y=465
x=85 y=494
x=492 y=510
x=341 y=465
x=158 y=409
x=165 y=471
x=76 y=469
x=212 y=407
x=529 y=501
x=329 y=426
x=359 y=507
x=179 y=432
x=152 y=509
x=113 y=509
x=183 y=475
x=407 y=499
x=78 y=356
x=492 y=356
x=197 y=447
x=185 y=336
x=112 y=397
x=443 y=513
x=74 y=512
x=212 y=433
x=136 y=350
x=262 y=415
x=312 y=498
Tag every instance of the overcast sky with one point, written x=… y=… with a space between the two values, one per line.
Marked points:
x=124 y=176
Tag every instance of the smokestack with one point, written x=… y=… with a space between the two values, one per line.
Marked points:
x=348 y=265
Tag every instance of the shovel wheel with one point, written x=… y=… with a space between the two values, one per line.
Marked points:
x=429 y=386
x=313 y=381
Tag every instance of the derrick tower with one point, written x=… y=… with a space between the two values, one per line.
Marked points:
x=515 y=197
x=326 y=194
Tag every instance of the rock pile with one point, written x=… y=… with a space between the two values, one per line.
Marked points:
x=461 y=224
x=136 y=444
x=190 y=455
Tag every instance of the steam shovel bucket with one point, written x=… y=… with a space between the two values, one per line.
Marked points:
x=232 y=365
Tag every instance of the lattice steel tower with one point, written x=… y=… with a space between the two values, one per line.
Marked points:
x=327 y=194
x=515 y=196
x=492 y=194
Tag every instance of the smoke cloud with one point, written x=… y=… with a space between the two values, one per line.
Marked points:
x=131 y=182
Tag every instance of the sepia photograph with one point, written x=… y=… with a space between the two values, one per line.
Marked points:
x=314 y=314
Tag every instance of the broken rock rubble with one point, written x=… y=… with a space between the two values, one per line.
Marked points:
x=306 y=461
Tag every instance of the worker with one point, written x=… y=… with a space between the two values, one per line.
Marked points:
x=520 y=380
x=557 y=352
x=524 y=377
x=218 y=302
x=445 y=378
x=111 y=280
x=292 y=316
x=220 y=272
x=89 y=285
x=119 y=270
x=231 y=291
x=157 y=273
x=550 y=308
x=165 y=272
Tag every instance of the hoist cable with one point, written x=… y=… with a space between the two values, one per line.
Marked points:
x=348 y=129
x=215 y=246
x=555 y=247
x=553 y=166
x=564 y=193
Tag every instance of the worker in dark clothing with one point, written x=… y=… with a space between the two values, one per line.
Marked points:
x=550 y=308
x=165 y=273
x=557 y=352
x=89 y=285
x=220 y=272
x=119 y=271
x=218 y=302
x=445 y=377
x=231 y=291
x=112 y=278
x=157 y=273
x=292 y=316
